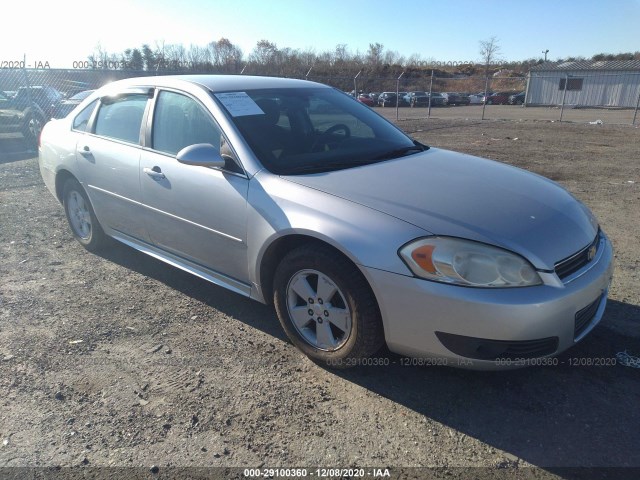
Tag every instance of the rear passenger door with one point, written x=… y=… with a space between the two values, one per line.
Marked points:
x=196 y=213
x=108 y=156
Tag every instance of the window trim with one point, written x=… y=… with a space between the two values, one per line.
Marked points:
x=91 y=126
x=148 y=121
x=89 y=120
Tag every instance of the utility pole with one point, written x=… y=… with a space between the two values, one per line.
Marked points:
x=545 y=54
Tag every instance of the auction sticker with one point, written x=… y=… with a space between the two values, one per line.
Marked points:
x=239 y=104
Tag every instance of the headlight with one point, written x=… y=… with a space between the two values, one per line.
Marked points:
x=464 y=262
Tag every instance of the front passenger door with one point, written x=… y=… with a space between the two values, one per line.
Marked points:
x=197 y=213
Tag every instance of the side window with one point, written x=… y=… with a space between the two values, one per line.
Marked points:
x=122 y=118
x=81 y=120
x=179 y=121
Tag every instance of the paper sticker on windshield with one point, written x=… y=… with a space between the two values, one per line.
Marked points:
x=239 y=104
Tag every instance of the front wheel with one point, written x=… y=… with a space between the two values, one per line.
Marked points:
x=326 y=307
x=81 y=217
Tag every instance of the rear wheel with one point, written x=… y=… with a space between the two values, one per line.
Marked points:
x=32 y=128
x=81 y=217
x=326 y=307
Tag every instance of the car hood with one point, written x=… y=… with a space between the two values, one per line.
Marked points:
x=453 y=194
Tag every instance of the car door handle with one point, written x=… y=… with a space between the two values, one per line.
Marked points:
x=154 y=173
x=86 y=151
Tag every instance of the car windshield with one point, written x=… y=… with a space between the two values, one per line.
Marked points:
x=309 y=130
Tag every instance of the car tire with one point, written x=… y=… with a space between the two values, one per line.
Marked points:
x=32 y=128
x=336 y=331
x=81 y=217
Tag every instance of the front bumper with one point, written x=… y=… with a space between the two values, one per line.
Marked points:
x=418 y=313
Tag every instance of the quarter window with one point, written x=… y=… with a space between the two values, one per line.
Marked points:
x=121 y=118
x=179 y=121
x=81 y=120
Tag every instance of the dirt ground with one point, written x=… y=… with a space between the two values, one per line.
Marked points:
x=607 y=116
x=119 y=360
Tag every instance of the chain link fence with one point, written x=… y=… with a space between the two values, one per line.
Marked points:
x=31 y=96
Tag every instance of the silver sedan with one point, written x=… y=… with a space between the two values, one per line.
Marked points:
x=293 y=193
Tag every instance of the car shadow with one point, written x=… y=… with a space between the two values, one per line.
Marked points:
x=14 y=148
x=582 y=412
x=250 y=312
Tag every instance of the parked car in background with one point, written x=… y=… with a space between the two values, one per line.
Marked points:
x=453 y=98
x=476 y=98
x=366 y=99
x=66 y=106
x=47 y=98
x=517 y=99
x=387 y=99
x=374 y=96
x=417 y=99
x=437 y=99
x=19 y=115
x=402 y=97
x=498 y=98
x=423 y=99
x=357 y=234
x=464 y=99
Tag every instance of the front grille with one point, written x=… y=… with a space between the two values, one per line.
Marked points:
x=584 y=317
x=487 y=349
x=575 y=262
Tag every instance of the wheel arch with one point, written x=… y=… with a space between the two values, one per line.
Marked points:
x=276 y=251
x=61 y=178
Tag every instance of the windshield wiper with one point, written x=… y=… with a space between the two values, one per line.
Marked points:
x=329 y=166
x=401 y=152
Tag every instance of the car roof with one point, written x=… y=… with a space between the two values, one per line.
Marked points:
x=218 y=83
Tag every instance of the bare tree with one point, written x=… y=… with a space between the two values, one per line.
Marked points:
x=99 y=58
x=264 y=52
x=160 y=55
x=226 y=56
x=490 y=52
x=374 y=54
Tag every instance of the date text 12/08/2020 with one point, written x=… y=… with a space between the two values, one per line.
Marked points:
x=316 y=472
x=504 y=362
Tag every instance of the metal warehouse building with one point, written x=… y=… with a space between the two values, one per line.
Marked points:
x=601 y=83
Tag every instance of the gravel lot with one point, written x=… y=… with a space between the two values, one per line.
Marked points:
x=119 y=360
x=609 y=116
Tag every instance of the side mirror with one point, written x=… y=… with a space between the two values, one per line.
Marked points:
x=201 y=155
